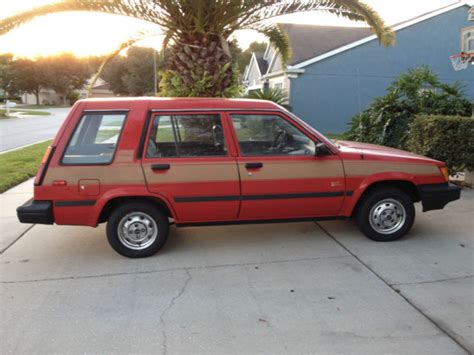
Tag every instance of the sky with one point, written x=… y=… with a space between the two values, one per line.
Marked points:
x=95 y=34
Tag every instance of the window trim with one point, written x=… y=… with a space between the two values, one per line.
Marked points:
x=315 y=140
x=465 y=41
x=192 y=112
x=125 y=112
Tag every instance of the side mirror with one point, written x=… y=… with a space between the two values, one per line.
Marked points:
x=321 y=150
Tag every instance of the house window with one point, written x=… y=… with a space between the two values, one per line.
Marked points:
x=467 y=37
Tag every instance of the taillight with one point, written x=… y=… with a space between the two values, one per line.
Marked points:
x=44 y=165
x=445 y=172
x=46 y=155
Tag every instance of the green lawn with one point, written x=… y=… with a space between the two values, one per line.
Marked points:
x=20 y=165
x=41 y=107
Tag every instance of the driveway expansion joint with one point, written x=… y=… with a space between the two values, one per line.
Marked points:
x=431 y=281
x=398 y=292
x=17 y=239
x=190 y=268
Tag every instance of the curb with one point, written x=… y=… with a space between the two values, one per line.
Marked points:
x=24 y=146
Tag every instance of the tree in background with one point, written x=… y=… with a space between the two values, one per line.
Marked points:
x=419 y=91
x=200 y=62
x=7 y=75
x=133 y=74
x=66 y=74
x=31 y=76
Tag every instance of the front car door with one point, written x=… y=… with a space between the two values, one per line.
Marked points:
x=187 y=161
x=280 y=175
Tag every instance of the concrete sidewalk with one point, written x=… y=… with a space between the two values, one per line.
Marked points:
x=10 y=228
x=287 y=288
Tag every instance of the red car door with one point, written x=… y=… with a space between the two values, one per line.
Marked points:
x=188 y=161
x=280 y=175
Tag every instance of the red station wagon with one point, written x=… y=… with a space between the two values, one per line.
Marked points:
x=140 y=164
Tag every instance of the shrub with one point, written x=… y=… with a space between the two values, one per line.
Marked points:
x=277 y=95
x=446 y=138
x=419 y=91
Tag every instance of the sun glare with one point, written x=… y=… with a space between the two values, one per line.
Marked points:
x=80 y=33
x=86 y=34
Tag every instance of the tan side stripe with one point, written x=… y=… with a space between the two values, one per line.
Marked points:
x=300 y=170
x=364 y=168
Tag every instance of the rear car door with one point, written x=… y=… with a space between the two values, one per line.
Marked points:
x=280 y=175
x=187 y=160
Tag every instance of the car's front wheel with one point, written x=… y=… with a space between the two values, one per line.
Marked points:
x=386 y=214
x=137 y=229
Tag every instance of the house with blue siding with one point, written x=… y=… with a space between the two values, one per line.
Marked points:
x=336 y=72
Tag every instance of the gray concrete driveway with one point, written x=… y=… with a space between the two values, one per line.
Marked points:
x=287 y=288
x=17 y=132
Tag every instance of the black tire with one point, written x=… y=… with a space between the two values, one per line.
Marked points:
x=374 y=199
x=145 y=215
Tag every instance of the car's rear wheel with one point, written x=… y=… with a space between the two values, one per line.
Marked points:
x=137 y=229
x=386 y=214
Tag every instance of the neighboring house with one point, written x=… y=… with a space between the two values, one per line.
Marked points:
x=100 y=89
x=50 y=97
x=336 y=72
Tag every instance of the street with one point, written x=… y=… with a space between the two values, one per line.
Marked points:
x=17 y=132
x=281 y=288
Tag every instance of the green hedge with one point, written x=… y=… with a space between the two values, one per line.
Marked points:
x=446 y=138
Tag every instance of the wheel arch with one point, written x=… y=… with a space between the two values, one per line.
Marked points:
x=116 y=201
x=404 y=182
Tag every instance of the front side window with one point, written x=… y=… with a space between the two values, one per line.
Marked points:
x=95 y=139
x=270 y=135
x=174 y=136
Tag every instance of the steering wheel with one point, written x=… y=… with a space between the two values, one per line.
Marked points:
x=279 y=140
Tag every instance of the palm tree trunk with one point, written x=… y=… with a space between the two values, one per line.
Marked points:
x=199 y=65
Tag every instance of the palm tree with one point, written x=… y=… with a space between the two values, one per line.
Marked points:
x=274 y=94
x=200 y=62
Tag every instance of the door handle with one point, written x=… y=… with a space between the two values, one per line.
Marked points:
x=254 y=165
x=160 y=167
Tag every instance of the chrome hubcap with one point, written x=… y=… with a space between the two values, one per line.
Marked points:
x=137 y=230
x=387 y=216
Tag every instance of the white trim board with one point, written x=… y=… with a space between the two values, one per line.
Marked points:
x=373 y=37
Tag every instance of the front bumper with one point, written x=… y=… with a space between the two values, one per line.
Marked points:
x=38 y=212
x=436 y=196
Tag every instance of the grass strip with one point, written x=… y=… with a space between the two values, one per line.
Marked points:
x=20 y=165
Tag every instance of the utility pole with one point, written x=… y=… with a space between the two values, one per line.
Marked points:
x=154 y=72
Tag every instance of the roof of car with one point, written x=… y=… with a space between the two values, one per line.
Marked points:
x=184 y=103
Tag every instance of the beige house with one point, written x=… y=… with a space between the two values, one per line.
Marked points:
x=50 y=97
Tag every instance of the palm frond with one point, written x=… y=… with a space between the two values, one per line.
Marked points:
x=278 y=38
x=350 y=9
x=277 y=95
x=384 y=33
x=140 y=9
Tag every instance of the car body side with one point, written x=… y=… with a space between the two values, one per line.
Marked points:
x=85 y=194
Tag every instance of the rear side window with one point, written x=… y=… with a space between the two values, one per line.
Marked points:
x=95 y=139
x=186 y=136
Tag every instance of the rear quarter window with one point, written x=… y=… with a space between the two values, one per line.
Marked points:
x=95 y=139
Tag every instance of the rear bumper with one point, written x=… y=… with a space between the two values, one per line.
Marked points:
x=436 y=196
x=38 y=212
